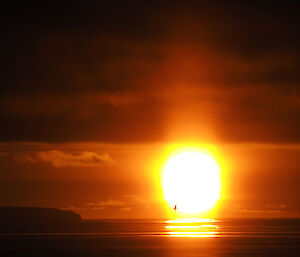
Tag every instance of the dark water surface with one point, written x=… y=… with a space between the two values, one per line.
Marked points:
x=238 y=237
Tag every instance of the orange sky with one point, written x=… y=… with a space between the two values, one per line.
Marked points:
x=93 y=95
x=111 y=180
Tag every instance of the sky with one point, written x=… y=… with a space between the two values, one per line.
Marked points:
x=93 y=94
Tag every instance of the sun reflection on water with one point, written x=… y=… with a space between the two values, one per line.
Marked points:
x=192 y=227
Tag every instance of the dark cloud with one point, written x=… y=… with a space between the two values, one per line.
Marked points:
x=137 y=72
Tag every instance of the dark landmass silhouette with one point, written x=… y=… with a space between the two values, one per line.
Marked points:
x=24 y=216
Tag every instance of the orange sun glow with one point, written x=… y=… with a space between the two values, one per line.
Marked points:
x=191 y=182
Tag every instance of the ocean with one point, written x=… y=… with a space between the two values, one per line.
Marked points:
x=185 y=238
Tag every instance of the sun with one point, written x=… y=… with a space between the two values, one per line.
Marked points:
x=191 y=181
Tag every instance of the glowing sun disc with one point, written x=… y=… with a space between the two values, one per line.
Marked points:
x=191 y=181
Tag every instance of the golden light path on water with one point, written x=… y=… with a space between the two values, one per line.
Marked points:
x=192 y=227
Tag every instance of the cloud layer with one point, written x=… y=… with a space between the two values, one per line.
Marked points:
x=61 y=159
x=151 y=72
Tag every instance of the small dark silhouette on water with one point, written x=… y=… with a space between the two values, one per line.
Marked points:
x=175 y=208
